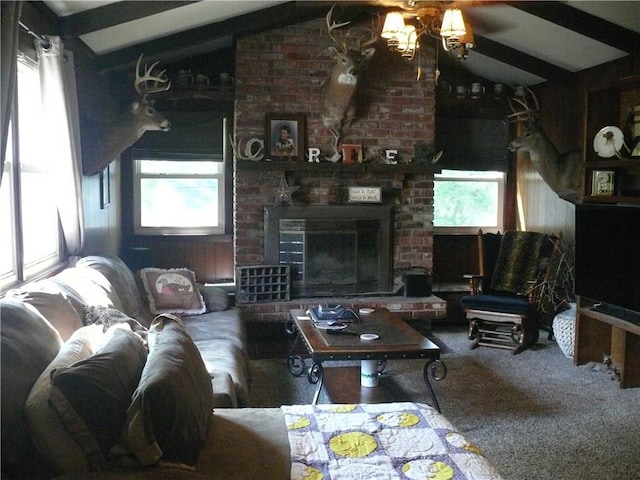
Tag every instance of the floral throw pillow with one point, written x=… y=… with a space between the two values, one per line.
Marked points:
x=172 y=291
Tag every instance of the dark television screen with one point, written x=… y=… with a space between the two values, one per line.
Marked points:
x=608 y=254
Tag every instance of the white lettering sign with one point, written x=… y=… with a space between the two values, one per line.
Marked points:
x=365 y=194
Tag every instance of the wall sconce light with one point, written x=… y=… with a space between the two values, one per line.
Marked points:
x=456 y=35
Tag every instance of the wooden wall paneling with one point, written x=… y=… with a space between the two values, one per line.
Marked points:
x=222 y=262
x=195 y=254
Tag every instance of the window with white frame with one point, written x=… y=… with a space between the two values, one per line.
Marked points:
x=179 y=196
x=465 y=201
x=30 y=232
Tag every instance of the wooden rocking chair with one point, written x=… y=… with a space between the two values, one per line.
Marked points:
x=503 y=305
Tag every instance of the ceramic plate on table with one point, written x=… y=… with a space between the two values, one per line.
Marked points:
x=369 y=336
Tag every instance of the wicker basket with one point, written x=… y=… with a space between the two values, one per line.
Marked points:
x=564 y=330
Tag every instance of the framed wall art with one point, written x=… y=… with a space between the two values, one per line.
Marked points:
x=602 y=183
x=285 y=136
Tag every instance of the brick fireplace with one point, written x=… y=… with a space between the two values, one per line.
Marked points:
x=282 y=71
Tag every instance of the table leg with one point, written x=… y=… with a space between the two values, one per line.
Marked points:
x=295 y=362
x=315 y=376
x=438 y=370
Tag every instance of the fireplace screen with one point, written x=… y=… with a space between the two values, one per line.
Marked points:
x=332 y=250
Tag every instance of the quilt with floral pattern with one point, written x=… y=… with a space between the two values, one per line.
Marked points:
x=380 y=441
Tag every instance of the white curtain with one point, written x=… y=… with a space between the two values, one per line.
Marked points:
x=58 y=87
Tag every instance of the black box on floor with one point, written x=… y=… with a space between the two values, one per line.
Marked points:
x=417 y=283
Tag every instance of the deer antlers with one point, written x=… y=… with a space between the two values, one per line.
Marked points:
x=331 y=26
x=148 y=83
x=528 y=114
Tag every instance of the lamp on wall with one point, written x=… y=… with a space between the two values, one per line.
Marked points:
x=456 y=35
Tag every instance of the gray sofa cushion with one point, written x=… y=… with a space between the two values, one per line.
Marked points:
x=120 y=276
x=53 y=304
x=92 y=396
x=242 y=444
x=169 y=414
x=226 y=325
x=91 y=286
x=28 y=344
x=49 y=435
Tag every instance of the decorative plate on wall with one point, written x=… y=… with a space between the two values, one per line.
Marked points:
x=608 y=142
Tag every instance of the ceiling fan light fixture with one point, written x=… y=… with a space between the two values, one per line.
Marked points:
x=393 y=28
x=453 y=24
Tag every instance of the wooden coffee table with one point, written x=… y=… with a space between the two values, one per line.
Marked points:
x=397 y=340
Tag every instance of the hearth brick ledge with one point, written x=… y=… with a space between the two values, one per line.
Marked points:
x=413 y=308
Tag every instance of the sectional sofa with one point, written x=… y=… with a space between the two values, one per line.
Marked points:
x=107 y=374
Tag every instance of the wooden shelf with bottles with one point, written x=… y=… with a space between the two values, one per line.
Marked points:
x=610 y=106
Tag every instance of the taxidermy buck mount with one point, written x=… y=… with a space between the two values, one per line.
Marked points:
x=339 y=91
x=115 y=137
x=561 y=171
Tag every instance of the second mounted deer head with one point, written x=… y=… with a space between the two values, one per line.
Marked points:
x=337 y=98
x=116 y=136
x=561 y=171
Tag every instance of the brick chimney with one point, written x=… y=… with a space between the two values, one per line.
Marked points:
x=282 y=71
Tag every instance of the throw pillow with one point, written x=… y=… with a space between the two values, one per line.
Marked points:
x=171 y=409
x=92 y=396
x=172 y=291
x=216 y=299
x=48 y=433
x=29 y=343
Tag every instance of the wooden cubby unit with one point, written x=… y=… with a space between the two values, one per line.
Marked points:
x=598 y=334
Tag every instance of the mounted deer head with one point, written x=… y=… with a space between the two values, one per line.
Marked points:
x=562 y=172
x=337 y=98
x=116 y=136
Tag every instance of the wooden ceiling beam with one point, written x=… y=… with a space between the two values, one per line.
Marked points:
x=114 y=14
x=521 y=60
x=583 y=23
x=197 y=40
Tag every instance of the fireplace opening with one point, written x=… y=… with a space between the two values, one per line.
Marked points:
x=332 y=250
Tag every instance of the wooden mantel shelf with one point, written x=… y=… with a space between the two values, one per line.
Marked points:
x=337 y=167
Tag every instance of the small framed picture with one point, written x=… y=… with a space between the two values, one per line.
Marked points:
x=285 y=136
x=351 y=153
x=602 y=183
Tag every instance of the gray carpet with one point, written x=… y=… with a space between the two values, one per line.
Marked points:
x=535 y=415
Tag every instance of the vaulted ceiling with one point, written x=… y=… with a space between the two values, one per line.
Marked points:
x=517 y=42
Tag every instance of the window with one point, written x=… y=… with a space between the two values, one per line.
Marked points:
x=178 y=197
x=31 y=237
x=465 y=201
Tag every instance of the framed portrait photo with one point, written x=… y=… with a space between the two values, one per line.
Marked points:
x=285 y=136
x=602 y=183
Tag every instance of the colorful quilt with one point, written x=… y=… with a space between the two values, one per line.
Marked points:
x=386 y=441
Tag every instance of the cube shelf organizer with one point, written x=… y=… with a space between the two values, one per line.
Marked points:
x=262 y=283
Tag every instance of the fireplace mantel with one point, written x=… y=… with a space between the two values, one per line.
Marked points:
x=337 y=167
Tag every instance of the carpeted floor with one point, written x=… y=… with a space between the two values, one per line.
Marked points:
x=535 y=415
